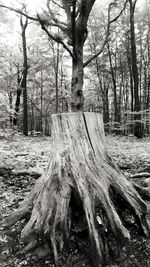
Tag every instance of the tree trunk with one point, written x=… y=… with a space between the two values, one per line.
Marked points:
x=131 y=80
x=116 y=108
x=19 y=90
x=56 y=61
x=103 y=89
x=148 y=95
x=24 y=79
x=78 y=37
x=25 y=107
x=56 y=77
x=42 y=93
x=105 y=103
x=148 y=86
x=79 y=166
x=138 y=129
x=77 y=80
x=10 y=105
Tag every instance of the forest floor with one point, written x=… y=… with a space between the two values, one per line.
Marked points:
x=23 y=159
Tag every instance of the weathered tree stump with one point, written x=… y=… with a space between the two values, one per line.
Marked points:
x=79 y=166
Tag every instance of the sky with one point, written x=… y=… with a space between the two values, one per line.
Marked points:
x=12 y=36
x=12 y=29
x=34 y=6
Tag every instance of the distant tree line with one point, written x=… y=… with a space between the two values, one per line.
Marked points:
x=118 y=80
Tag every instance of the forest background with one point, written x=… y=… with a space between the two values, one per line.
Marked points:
x=113 y=84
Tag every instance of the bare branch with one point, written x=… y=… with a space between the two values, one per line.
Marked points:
x=56 y=38
x=42 y=23
x=20 y=12
x=23 y=25
x=119 y=13
x=57 y=4
x=107 y=32
x=57 y=22
x=132 y=4
x=60 y=25
x=33 y=104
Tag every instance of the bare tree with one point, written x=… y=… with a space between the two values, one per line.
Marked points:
x=22 y=81
x=138 y=131
x=75 y=30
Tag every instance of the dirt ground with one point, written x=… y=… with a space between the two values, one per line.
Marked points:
x=23 y=159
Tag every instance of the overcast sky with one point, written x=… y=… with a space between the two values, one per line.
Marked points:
x=37 y=4
x=12 y=34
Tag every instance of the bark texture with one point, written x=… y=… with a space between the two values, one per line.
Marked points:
x=79 y=165
x=138 y=127
x=24 y=79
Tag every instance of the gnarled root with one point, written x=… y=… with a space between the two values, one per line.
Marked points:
x=79 y=165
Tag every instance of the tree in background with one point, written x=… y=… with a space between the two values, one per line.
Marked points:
x=98 y=68
x=120 y=54
x=137 y=106
x=24 y=76
x=122 y=69
x=22 y=82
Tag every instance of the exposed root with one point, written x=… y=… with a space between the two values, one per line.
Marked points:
x=143 y=191
x=140 y=175
x=79 y=165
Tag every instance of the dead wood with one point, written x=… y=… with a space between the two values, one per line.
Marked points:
x=140 y=175
x=81 y=176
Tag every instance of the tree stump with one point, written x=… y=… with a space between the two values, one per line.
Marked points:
x=79 y=166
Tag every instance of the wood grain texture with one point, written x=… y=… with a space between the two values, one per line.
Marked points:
x=79 y=163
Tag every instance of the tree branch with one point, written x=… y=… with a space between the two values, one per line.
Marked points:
x=20 y=12
x=107 y=32
x=56 y=38
x=23 y=25
x=57 y=4
x=57 y=22
x=42 y=23
x=111 y=21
